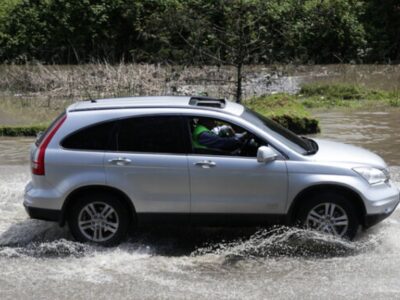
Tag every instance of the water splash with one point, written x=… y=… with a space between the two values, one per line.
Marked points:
x=54 y=249
x=395 y=174
x=283 y=241
x=31 y=231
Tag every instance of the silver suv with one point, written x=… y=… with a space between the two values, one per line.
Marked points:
x=108 y=165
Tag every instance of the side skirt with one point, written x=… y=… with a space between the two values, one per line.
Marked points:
x=206 y=219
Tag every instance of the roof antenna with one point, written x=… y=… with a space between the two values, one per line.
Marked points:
x=90 y=96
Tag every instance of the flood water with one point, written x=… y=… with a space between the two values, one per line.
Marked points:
x=40 y=260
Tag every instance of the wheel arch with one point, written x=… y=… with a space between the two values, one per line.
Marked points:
x=334 y=188
x=74 y=195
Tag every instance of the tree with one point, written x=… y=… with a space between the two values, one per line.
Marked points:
x=229 y=32
x=382 y=22
x=332 y=31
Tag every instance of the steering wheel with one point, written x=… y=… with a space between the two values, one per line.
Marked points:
x=244 y=145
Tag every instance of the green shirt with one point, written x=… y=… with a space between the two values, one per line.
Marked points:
x=199 y=129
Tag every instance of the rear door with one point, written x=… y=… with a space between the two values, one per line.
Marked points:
x=150 y=166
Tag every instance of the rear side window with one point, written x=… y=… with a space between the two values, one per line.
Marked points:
x=161 y=134
x=96 y=137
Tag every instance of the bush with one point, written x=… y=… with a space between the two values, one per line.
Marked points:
x=21 y=130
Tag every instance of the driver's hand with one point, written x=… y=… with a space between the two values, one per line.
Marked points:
x=241 y=136
x=253 y=143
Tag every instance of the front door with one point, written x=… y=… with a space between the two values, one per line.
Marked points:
x=223 y=184
x=231 y=184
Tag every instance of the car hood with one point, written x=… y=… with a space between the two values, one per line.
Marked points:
x=339 y=152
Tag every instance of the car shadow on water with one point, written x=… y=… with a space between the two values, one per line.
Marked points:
x=35 y=238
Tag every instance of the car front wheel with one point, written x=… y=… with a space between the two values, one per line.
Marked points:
x=330 y=213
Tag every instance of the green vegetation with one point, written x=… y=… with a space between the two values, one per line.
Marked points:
x=292 y=111
x=6 y=6
x=320 y=95
x=21 y=130
x=285 y=110
x=200 y=31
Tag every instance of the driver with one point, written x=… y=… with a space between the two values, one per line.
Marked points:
x=205 y=136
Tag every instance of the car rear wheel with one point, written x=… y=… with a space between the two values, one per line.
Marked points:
x=99 y=219
x=330 y=213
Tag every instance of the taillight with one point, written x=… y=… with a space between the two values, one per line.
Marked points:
x=38 y=160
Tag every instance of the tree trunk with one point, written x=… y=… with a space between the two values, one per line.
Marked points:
x=239 y=83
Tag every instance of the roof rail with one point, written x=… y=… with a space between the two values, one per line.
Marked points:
x=207 y=101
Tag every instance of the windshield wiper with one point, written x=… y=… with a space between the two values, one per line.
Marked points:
x=313 y=146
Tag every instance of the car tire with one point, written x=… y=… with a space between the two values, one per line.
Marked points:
x=331 y=213
x=100 y=219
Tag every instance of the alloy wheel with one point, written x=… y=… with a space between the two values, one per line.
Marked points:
x=98 y=221
x=329 y=218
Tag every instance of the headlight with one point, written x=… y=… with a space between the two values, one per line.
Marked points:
x=372 y=175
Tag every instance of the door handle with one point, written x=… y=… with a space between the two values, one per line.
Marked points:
x=120 y=161
x=205 y=164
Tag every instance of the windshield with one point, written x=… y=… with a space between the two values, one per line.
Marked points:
x=299 y=144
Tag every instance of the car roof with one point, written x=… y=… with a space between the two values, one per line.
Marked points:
x=192 y=102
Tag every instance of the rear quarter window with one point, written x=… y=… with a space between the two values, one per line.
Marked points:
x=95 y=137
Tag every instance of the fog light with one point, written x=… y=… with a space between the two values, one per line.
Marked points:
x=388 y=210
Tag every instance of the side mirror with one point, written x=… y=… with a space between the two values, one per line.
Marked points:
x=265 y=154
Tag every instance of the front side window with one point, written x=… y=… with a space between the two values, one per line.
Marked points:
x=156 y=134
x=217 y=137
x=299 y=144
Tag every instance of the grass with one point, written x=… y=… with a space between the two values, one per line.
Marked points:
x=286 y=110
x=322 y=95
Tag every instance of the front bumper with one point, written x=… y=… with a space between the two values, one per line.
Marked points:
x=372 y=220
x=382 y=205
x=381 y=199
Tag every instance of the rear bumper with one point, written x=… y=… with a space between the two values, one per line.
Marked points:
x=43 y=214
x=43 y=198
